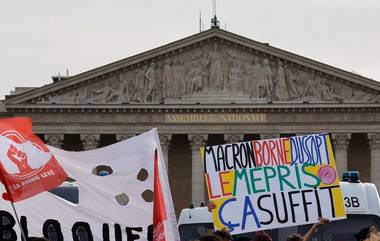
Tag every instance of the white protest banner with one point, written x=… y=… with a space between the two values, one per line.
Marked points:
x=275 y=183
x=113 y=207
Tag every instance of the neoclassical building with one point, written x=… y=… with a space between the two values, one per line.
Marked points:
x=210 y=88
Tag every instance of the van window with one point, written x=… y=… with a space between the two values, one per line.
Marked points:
x=344 y=229
x=69 y=193
x=190 y=232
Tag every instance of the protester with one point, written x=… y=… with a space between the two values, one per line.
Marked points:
x=373 y=235
x=368 y=234
x=306 y=237
x=223 y=234
x=210 y=237
x=210 y=206
x=363 y=234
x=262 y=236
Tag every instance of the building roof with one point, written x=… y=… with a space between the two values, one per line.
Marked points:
x=193 y=42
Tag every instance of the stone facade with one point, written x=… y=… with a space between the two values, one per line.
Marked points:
x=210 y=88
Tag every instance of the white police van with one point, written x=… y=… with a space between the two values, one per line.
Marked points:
x=360 y=199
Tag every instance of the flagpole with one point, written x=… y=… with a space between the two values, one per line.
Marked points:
x=11 y=200
x=18 y=221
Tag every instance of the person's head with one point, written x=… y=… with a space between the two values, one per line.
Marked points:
x=223 y=234
x=209 y=237
x=372 y=229
x=363 y=234
x=295 y=237
x=262 y=236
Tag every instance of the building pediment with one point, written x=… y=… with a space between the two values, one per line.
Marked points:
x=212 y=67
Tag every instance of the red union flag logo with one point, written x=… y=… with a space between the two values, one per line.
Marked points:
x=26 y=164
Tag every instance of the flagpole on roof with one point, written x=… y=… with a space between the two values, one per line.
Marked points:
x=12 y=203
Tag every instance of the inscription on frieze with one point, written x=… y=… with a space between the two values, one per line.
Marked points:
x=216 y=118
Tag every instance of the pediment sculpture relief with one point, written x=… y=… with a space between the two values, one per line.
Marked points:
x=215 y=69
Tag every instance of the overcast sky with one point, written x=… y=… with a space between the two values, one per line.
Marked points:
x=40 y=38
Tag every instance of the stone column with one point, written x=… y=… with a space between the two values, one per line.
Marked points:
x=89 y=141
x=269 y=136
x=165 y=144
x=340 y=143
x=374 y=145
x=122 y=137
x=55 y=140
x=197 y=173
x=233 y=138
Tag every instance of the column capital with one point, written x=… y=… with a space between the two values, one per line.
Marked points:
x=233 y=138
x=90 y=141
x=341 y=140
x=197 y=140
x=122 y=137
x=55 y=140
x=165 y=139
x=340 y=143
x=165 y=144
x=374 y=140
x=265 y=136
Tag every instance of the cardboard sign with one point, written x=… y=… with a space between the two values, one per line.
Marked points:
x=275 y=183
x=27 y=166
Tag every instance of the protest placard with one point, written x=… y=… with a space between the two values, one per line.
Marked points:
x=274 y=183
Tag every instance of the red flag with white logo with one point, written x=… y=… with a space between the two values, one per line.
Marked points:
x=159 y=209
x=27 y=166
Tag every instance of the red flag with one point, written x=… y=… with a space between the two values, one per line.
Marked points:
x=27 y=167
x=159 y=209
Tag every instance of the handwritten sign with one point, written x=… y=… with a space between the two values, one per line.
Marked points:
x=272 y=183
